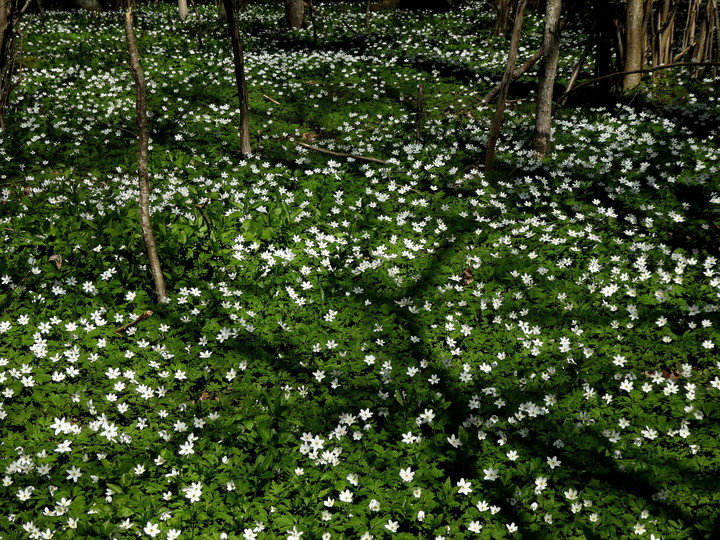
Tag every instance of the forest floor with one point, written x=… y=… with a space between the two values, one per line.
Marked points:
x=400 y=349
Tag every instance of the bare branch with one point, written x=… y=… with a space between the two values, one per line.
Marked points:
x=339 y=154
x=142 y=317
x=645 y=70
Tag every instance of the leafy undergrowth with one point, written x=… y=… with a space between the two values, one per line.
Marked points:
x=350 y=350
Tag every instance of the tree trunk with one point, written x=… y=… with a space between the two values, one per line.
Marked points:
x=663 y=29
x=6 y=63
x=551 y=44
x=294 y=13
x=6 y=29
x=609 y=57
x=519 y=72
x=509 y=70
x=143 y=175
x=311 y=8
x=420 y=108
x=237 y=47
x=578 y=66
x=11 y=50
x=502 y=18
x=183 y=9
x=634 y=38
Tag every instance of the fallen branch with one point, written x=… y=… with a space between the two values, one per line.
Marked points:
x=204 y=215
x=9 y=294
x=519 y=72
x=420 y=106
x=646 y=70
x=271 y=100
x=349 y=27
x=499 y=116
x=578 y=67
x=339 y=154
x=141 y=318
x=530 y=62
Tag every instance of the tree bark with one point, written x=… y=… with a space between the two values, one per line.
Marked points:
x=585 y=84
x=578 y=66
x=340 y=154
x=551 y=44
x=6 y=68
x=143 y=175
x=294 y=13
x=509 y=69
x=419 y=110
x=634 y=35
x=502 y=18
x=662 y=29
x=183 y=9
x=530 y=62
x=311 y=8
x=6 y=28
x=237 y=47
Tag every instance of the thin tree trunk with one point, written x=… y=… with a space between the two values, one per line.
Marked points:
x=689 y=31
x=634 y=34
x=645 y=70
x=6 y=28
x=294 y=13
x=716 y=23
x=578 y=67
x=664 y=34
x=551 y=44
x=237 y=47
x=143 y=175
x=200 y=26
x=6 y=64
x=707 y=46
x=519 y=72
x=183 y=9
x=420 y=107
x=502 y=19
x=608 y=48
x=509 y=69
x=311 y=9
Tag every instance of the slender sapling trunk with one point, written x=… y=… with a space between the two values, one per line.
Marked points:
x=143 y=175
x=497 y=122
x=237 y=47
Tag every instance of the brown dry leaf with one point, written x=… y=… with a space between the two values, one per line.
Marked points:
x=467 y=276
x=666 y=373
x=57 y=259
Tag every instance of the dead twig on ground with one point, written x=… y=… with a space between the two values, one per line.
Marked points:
x=141 y=318
x=340 y=154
